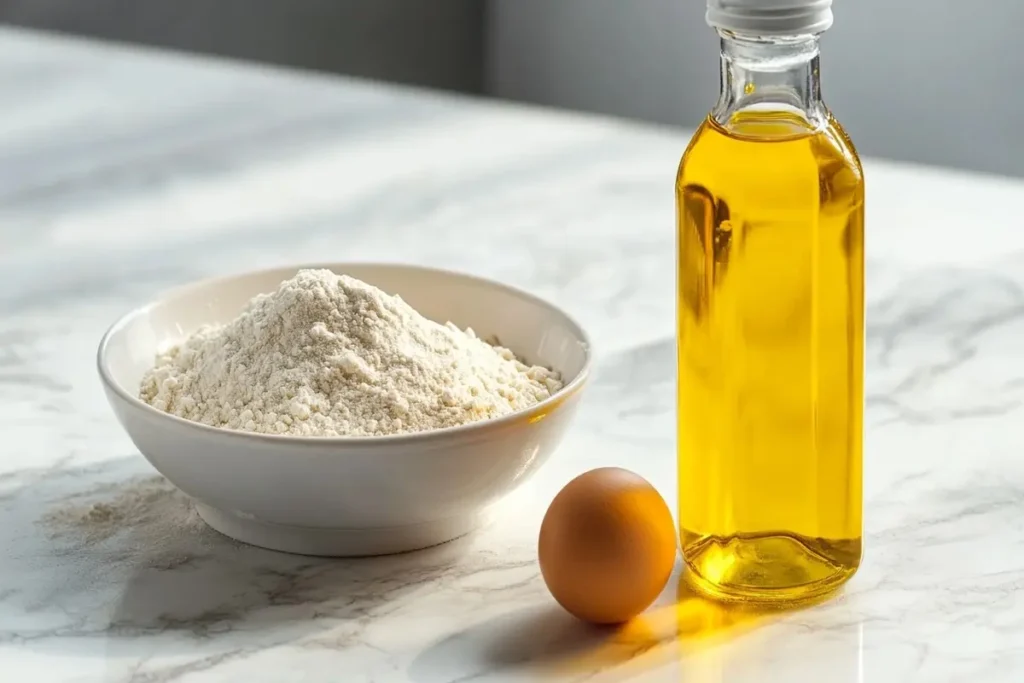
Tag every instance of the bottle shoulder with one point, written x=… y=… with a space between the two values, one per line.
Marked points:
x=768 y=144
x=843 y=143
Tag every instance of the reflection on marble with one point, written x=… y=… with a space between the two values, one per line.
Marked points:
x=124 y=172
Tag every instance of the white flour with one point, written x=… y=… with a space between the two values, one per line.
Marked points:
x=329 y=355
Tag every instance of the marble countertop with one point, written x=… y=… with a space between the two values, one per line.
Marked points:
x=124 y=172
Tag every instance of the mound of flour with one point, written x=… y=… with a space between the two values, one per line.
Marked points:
x=329 y=355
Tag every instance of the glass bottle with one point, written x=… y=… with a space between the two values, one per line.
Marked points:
x=770 y=319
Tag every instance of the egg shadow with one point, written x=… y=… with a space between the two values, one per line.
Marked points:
x=528 y=638
x=543 y=641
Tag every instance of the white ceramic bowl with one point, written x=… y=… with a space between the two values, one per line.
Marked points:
x=349 y=496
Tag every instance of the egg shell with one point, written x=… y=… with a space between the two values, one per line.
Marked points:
x=607 y=545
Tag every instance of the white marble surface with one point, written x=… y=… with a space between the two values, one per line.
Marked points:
x=124 y=172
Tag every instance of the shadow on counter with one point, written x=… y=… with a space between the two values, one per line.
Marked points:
x=110 y=555
x=682 y=632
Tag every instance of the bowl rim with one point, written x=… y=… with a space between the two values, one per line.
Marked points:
x=568 y=390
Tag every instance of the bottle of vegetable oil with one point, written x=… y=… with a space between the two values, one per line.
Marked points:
x=770 y=209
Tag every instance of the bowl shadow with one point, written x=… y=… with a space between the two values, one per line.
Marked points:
x=114 y=557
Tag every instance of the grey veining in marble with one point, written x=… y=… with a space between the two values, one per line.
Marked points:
x=124 y=172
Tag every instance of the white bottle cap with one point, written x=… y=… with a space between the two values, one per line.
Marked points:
x=770 y=17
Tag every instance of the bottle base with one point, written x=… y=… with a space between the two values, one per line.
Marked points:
x=773 y=569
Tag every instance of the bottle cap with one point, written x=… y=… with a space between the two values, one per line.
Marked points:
x=770 y=17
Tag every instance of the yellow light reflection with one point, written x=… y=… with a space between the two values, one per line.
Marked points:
x=680 y=625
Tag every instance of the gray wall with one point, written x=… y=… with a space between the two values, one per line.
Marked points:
x=437 y=43
x=649 y=59
x=920 y=80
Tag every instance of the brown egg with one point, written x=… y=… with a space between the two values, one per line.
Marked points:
x=607 y=545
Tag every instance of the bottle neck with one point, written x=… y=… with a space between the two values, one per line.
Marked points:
x=776 y=76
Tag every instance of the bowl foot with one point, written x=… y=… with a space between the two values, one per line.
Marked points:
x=327 y=542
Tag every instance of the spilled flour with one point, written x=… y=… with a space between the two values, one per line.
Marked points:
x=329 y=355
x=142 y=502
x=145 y=519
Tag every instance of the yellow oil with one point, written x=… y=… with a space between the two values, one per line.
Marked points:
x=770 y=357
